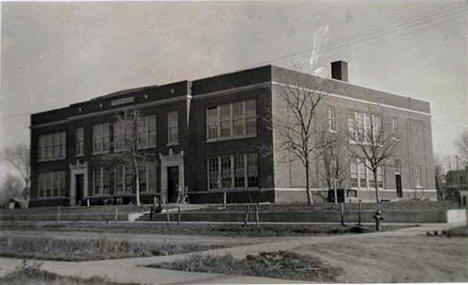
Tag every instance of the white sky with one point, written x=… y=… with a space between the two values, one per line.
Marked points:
x=55 y=54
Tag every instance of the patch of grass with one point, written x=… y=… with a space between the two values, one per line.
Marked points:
x=90 y=249
x=279 y=264
x=456 y=232
x=30 y=273
x=263 y=230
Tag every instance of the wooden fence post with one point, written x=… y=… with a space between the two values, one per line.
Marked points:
x=178 y=216
x=342 y=214
x=116 y=214
x=167 y=214
x=257 y=220
x=247 y=215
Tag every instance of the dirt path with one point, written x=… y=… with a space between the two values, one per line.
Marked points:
x=395 y=259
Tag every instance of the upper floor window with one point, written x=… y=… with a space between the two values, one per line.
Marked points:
x=395 y=131
x=232 y=120
x=397 y=166
x=173 y=127
x=52 y=146
x=101 y=138
x=79 y=141
x=331 y=119
x=120 y=133
x=146 y=131
x=418 y=176
x=51 y=184
x=364 y=128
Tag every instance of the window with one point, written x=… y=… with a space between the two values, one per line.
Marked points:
x=212 y=123
x=233 y=120
x=52 y=146
x=397 y=166
x=173 y=129
x=362 y=175
x=238 y=171
x=354 y=174
x=147 y=177
x=101 y=181
x=119 y=136
x=379 y=177
x=101 y=138
x=213 y=172
x=79 y=141
x=251 y=117
x=364 y=128
x=226 y=175
x=331 y=119
x=51 y=184
x=252 y=170
x=146 y=131
x=395 y=131
x=225 y=122
x=418 y=176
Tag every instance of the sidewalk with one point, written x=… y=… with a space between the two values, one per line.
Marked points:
x=131 y=270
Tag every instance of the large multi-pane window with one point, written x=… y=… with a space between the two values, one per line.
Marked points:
x=120 y=133
x=101 y=181
x=147 y=177
x=146 y=130
x=397 y=166
x=363 y=127
x=354 y=174
x=101 y=138
x=232 y=120
x=173 y=127
x=52 y=146
x=418 y=176
x=363 y=177
x=233 y=171
x=331 y=119
x=51 y=184
x=79 y=141
x=213 y=173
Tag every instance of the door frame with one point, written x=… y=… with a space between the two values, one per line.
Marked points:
x=75 y=170
x=170 y=160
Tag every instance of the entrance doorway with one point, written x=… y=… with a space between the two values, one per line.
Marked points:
x=399 y=189
x=172 y=183
x=79 y=180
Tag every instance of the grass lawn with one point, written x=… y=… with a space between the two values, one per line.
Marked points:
x=263 y=230
x=90 y=249
x=30 y=274
x=280 y=264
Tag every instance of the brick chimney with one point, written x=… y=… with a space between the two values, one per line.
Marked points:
x=339 y=70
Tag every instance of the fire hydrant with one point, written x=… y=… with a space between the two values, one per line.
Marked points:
x=378 y=218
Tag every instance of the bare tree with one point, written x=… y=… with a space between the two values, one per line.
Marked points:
x=293 y=120
x=18 y=158
x=129 y=147
x=438 y=174
x=334 y=169
x=462 y=146
x=371 y=141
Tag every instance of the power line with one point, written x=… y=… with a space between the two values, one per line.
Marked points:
x=438 y=14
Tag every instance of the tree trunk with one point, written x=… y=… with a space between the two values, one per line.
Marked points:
x=376 y=185
x=335 y=190
x=310 y=200
x=137 y=178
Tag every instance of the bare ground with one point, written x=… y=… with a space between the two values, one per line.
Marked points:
x=395 y=259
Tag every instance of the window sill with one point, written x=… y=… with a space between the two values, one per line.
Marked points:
x=332 y=131
x=172 y=144
x=51 y=159
x=50 y=198
x=231 y=138
x=147 y=147
x=101 y=152
x=79 y=155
